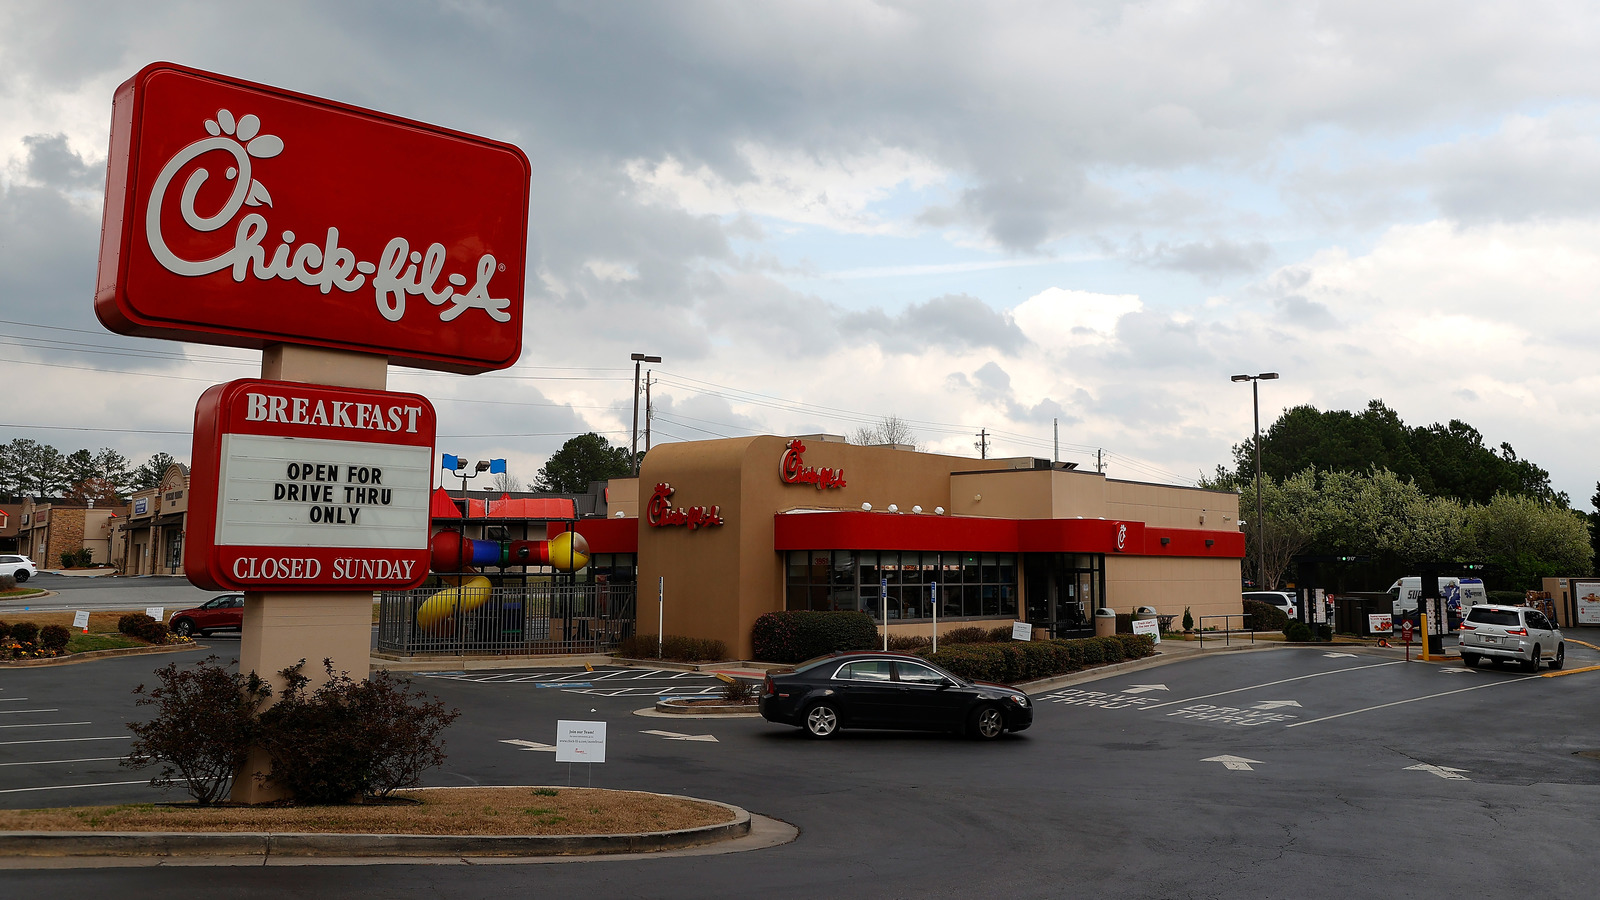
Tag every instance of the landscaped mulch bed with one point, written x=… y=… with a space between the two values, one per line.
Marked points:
x=473 y=811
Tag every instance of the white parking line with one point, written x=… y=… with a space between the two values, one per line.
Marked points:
x=115 y=737
x=46 y=724
x=1476 y=687
x=13 y=699
x=65 y=787
x=52 y=762
x=1271 y=683
x=18 y=712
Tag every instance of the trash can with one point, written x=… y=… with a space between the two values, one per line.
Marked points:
x=1105 y=622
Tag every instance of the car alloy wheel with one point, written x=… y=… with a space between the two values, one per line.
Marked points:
x=1531 y=664
x=822 y=721
x=21 y=575
x=988 y=723
x=1561 y=657
x=184 y=628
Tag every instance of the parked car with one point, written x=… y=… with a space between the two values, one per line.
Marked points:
x=889 y=690
x=221 y=613
x=1284 y=600
x=1499 y=633
x=19 y=567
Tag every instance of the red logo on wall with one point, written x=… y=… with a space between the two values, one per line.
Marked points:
x=793 y=470
x=1122 y=537
x=658 y=513
x=248 y=215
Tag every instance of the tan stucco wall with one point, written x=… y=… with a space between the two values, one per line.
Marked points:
x=1205 y=586
x=1169 y=506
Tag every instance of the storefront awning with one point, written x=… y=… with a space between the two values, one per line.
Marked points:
x=860 y=530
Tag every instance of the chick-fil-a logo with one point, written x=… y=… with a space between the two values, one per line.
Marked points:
x=793 y=470
x=1122 y=537
x=399 y=273
x=660 y=514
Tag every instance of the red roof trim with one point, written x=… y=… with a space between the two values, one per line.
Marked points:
x=849 y=529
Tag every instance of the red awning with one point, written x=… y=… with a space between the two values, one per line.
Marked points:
x=508 y=507
x=442 y=507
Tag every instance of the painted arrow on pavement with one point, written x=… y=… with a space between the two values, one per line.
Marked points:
x=1274 y=704
x=1143 y=688
x=1237 y=763
x=1455 y=670
x=531 y=745
x=674 y=736
x=1441 y=771
x=1338 y=655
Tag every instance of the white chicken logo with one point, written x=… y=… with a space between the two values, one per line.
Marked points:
x=400 y=272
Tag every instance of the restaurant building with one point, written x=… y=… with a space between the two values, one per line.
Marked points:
x=728 y=530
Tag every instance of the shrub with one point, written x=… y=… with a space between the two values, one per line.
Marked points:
x=205 y=722
x=970 y=635
x=1508 y=598
x=143 y=627
x=673 y=647
x=1124 y=623
x=738 y=691
x=1297 y=631
x=77 y=559
x=1003 y=633
x=1188 y=620
x=5 y=632
x=25 y=632
x=909 y=642
x=351 y=739
x=796 y=635
x=54 y=637
x=8 y=583
x=1264 y=616
x=1027 y=660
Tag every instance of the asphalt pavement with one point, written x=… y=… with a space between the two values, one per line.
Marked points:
x=106 y=592
x=1309 y=772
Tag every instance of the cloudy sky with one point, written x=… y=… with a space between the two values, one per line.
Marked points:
x=970 y=216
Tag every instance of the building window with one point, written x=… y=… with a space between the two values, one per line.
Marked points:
x=970 y=585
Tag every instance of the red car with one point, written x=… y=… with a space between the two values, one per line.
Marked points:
x=220 y=613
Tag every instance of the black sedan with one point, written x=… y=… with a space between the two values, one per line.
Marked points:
x=889 y=690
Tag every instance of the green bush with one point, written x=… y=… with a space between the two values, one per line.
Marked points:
x=205 y=723
x=1297 y=632
x=25 y=632
x=1508 y=598
x=1188 y=620
x=1016 y=661
x=1003 y=633
x=5 y=632
x=8 y=583
x=54 y=637
x=793 y=636
x=77 y=559
x=969 y=635
x=1264 y=616
x=906 y=643
x=674 y=647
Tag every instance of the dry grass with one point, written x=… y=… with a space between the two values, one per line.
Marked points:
x=476 y=811
x=99 y=622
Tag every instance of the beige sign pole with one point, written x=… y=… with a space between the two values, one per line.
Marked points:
x=283 y=628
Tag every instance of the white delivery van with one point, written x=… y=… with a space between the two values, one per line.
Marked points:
x=1460 y=595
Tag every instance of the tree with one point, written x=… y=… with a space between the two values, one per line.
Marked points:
x=581 y=460
x=1529 y=540
x=113 y=467
x=1594 y=521
x=892 y=430
x=504 y=483
x=150 y=473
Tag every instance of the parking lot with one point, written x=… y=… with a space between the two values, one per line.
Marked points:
x=1294 y=771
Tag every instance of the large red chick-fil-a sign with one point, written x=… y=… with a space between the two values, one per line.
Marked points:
x=793 y=470
x=307 y=487
x=248 y=215
x=659 y=513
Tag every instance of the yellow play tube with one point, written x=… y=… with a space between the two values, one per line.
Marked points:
x=470 y=595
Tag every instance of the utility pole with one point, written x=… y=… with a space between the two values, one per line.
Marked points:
x=1056 y=425
x=649 y=411
x=1099 y=461
x=983 y=444
x=637 y=359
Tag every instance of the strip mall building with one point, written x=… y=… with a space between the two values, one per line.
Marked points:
x=730 y=529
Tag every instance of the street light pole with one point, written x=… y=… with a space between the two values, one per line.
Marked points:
x=637 y=359
x=1261 y=520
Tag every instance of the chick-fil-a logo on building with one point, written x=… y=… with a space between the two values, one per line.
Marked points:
x=793 y=470
x=1122 y=537
x=247 y=215
x=659 y=513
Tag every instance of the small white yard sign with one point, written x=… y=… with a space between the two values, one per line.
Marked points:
x=1021 y=631
x=1151 y=627
x=580 y=741
x=80 y=620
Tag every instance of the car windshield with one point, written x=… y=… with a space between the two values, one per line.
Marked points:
x=1482 y=616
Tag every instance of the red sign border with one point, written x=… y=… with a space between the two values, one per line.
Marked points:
x=117 y=313
x=202 y=556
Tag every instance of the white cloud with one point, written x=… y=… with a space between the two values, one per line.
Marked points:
x=1059 y=318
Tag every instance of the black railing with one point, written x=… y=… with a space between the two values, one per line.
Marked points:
x=1227 y=631
x=507 y=620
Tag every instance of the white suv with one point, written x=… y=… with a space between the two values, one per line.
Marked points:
x=1511 y=632
x=21 y=567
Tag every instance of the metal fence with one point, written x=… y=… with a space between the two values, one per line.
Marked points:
x=512 y=620
x=1227 y=631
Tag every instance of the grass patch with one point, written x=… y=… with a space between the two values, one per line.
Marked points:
x=83 y=643
x=17 y=593
x=479 y=811
x=100 y=622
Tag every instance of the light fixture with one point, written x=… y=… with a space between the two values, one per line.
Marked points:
x=916 y=509
x=637 y=359
x=621 y=514
x=867 y=507
x=893 y=508
x=938 y=510
x=1166 y=541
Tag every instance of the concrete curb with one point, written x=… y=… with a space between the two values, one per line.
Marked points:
x=92 y=655
x=299 y=844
